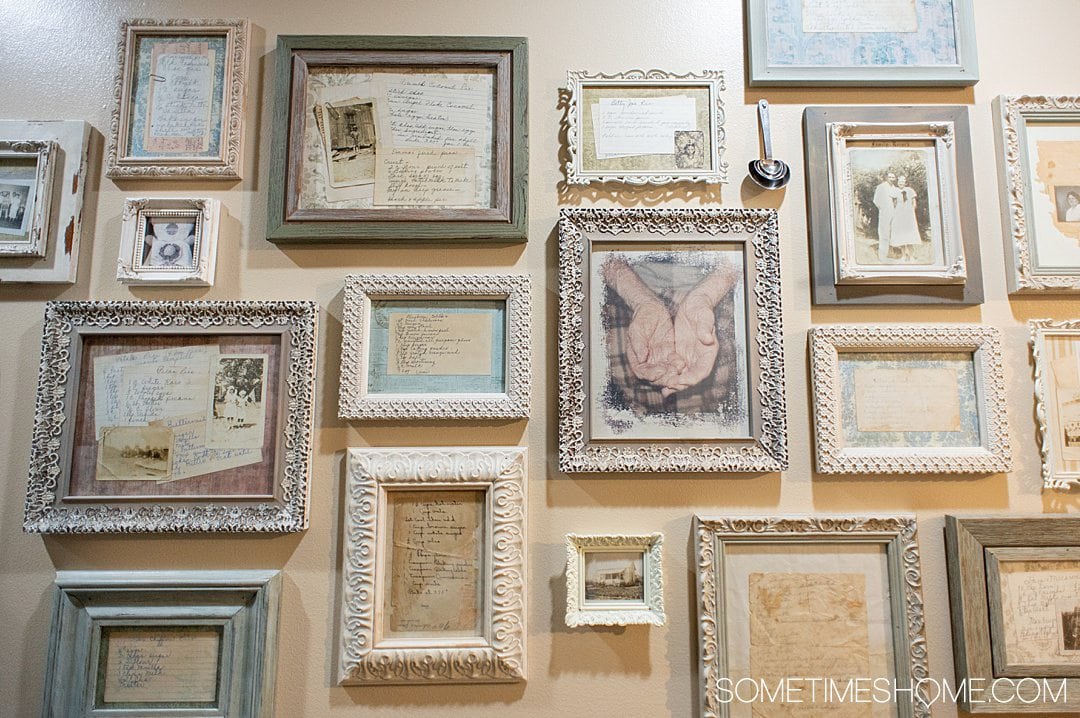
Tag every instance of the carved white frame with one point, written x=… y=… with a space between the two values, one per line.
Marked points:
x=356 y=402
x=1045 y=403
x=130 y=269
x=1011 y=116
x=119 y=164
x=952 y=269
x=578 y=80
x=649 y=611
x=756 y=229
x=499 y=654
x=44 y=153
x=984 y=342
x=897 y=534
x=66 y=323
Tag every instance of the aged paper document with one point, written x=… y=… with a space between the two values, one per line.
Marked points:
x=161 y=666
x=915 y=399
x=191 y=456
x=425 y=176
x=625 y=126
x=180 y=98
x=435 y=563
x=851 y=16
x=1040 y=604
x=1066 y=398
x=813 y=625
x=1058 y=172
x=440 y=343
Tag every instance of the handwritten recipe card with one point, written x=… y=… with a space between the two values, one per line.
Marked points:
x=181 y=93
x=628 y=126
x=161 y=666
x=440 y=344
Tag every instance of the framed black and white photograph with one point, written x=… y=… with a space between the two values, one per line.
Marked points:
x=169 y=241
x=614 y=580
x=27 y=170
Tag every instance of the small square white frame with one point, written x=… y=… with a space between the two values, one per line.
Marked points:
x=131 y=270
x=356 y=402
x=44 y=154
x=649 y=611
x=953 y=268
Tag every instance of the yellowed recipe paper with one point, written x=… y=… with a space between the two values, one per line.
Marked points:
x=435 y=563
x=915 y=399
x=181 y=96
x=1040 y=606
x=161 y=666
x=809 y=624
x=440 y=344
x=426 y=176
x=859 y=16
x=1066 y=399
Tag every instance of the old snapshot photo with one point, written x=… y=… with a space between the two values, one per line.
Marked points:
x=16 y=202
x=135 y=453
x=614 y=576
x=669 y=331
x=347 y=130
x=614 y=580
x=237 y=417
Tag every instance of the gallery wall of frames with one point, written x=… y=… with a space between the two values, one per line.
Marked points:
x=486 y=359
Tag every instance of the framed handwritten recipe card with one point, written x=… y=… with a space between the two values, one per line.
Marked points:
x=434 y=566
x=909 y=399
x=179 y=100
x=399 y=137
x=435 y=346
x=137 y=643
x=861 y=42
x=173 y=416
x=643 y=127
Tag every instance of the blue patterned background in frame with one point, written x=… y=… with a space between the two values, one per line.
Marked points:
x=379 y=382
x=964 y=365
x=934 y=44
x=137 y=125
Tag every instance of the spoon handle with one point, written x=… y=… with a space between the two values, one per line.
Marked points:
x=766 y=135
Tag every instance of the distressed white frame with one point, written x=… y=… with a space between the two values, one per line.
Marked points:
x=1011 y=116
x=766 y=449
x=952 y=269
x=578 y=80
x=47 y=509
x=242 y=604
x=44 y=153
x=984 y=343
x=1044 y=402
x=61 y=233
x=897 y=534
x=498 y=655
x=356 y=402
x=226 y=165
x=649 y=611
x=130 y=269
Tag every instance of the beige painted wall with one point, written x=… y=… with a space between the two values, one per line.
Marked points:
x=58 y=62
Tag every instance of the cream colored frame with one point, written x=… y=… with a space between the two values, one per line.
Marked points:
x=578 y=80
x=44 y=152
x=1044 y=403
x=953 y=268
x=120 y=165
x=984 y=342
x=129 y=269
x=498 y=656
x=650 y=611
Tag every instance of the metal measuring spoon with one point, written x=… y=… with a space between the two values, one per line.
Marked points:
x=767 y=172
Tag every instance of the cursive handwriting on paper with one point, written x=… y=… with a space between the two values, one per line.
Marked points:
x=860 y=16
x=627 y=126
x=425 y=176
x=161 y=666
x=440 y=343
x=180 y=99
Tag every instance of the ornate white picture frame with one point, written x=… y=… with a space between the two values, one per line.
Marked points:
x=848 y=565
x=1055 y=348
x=683 y=116
x=1038 y=148
x=199 y=66
x=716 y=404
x=909 y=399
x=26 y=195
x=477 y=633
x=436 y=346
x=60 y=200
x=614 y=580
x=167 y=242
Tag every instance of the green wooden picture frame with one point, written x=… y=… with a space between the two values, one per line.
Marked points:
x=155 y=675
x=309 y=203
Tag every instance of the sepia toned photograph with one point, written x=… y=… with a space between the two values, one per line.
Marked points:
x=614 y=576
x=896 y=203
x=349 y=138
x=169 y=240
x=1067 y=202
x=689 y=149
x=135 y=453
x=1070 y=629
x=238 y=403
x=16 y=206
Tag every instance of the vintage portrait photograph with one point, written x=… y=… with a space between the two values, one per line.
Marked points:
x=135 y=453
x=668 y=331
x=170 y=239
x=348 y=134
x=614 y=576
x=1070 y=624
x=1067 y=199
x=689 y=149
x=238 y=402
x=896 y=202
x=16 y=205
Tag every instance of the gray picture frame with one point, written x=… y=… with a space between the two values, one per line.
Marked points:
x=973 y=544
x=243 y=605
x=820 y=211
